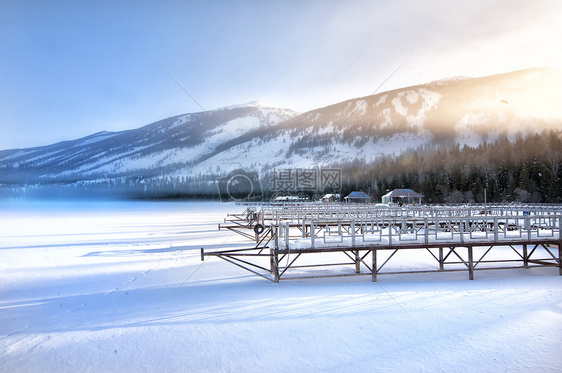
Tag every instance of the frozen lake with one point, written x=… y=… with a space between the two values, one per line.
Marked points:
x=119 y=286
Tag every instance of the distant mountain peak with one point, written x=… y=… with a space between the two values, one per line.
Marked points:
x=451 y=80
x=254 y=103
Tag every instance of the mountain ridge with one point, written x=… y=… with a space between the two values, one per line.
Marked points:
x=258 y=138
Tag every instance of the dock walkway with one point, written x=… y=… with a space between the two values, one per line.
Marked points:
x=371 y=240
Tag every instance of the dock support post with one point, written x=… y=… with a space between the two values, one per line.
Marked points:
x=470 y=264
x=357 y=262
x=374 y=270
x=274 y=258
x=525 y=256
x=560 y=257
x=426 y=231
x=441 y=260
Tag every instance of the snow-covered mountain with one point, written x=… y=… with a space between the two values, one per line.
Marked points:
x=166 y=146
x=458 y=110
x=259 y=138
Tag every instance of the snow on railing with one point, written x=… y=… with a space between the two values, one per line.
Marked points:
x=319 y=233
x=343 y=211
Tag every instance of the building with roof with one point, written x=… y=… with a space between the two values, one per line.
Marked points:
x=358 y=197
x=401 y=196
x=332 y=197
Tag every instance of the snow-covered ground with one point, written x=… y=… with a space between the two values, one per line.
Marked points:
x=120 y=287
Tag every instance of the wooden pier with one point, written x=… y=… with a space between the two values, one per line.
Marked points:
x=300 y=241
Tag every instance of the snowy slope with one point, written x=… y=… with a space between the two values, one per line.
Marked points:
x=365 y=128
x=150 y=150
x=460 y=110
x=120 y=287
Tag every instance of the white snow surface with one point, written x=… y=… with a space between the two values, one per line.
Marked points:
x=120 y=287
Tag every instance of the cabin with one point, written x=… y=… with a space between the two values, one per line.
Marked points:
x=357 y=197
x=286 y=199
x=331 y=198
x=402 y=196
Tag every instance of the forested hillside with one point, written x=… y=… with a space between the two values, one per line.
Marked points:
x=527 y=169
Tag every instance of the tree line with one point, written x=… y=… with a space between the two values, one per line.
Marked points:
x=526 y=169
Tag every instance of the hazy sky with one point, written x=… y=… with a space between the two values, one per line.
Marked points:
x=72 y=68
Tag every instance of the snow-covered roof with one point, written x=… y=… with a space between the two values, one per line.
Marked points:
x=358 y=195
x=331 y=195
x=290 y=198
x=409 y=193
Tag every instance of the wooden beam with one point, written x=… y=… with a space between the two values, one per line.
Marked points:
x=249 y=258
x=560 y=257
x=274 y=260
x=375 y=269
x=470 y=264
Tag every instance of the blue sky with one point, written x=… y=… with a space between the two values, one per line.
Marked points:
x=72 y=68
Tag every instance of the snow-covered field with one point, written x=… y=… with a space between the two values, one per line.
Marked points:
x=120 y=287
